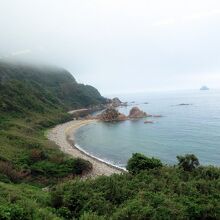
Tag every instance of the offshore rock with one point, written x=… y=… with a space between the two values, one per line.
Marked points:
x=135 y=112
x=111 y=115
x=116 y=102
x=148 y=122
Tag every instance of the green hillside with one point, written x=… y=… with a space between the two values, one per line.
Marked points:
x=25 y=88
x=33 y=99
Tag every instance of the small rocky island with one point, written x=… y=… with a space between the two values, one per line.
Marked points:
x=110 y=112
x=204 y=88
x=116 y=102
x=112 y=115
x=135 y=112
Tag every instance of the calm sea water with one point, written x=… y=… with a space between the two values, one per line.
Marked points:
x=193 y=128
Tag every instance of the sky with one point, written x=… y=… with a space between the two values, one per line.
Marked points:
x=118 y=46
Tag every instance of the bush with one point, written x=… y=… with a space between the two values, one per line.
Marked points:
x=37 y=155
x=73 y=166
x=4 y=178
x=6 y=169
x=188 y=162
x=81 y=166
x=91 y=216
x=12 y=212
x=139 y=162
x=210 y=173
x=133 y=209
x=57 y=198
x=64 y=213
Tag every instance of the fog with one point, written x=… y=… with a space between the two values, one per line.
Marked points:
x=118 y=46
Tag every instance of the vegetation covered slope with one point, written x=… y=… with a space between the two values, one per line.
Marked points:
x=150 y=190
x=32 y=99
x=26 y=88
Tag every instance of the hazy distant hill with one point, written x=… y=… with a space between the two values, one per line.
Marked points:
x=39 y=88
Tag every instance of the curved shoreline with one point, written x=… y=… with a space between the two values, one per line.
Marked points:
x=63 y=136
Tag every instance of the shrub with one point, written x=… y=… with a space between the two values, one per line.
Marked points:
x=211 y=173
x=13 y=212
x=64 y=213
x=57 y=198
x=188 y=162
x=4 y=178
x=37 y=155
x=139 y=162
x=47 y=168
x=81 y=166
x=73 y=166
x=134 y=209
x=91 y=216
x=8 y=170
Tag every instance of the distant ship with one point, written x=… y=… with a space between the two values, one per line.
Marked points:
x=204 y=88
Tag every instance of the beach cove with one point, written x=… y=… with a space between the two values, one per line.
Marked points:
x=63 y=136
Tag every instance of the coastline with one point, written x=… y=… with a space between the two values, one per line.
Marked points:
x=63 y=136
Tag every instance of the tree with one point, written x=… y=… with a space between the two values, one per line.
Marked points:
x=139 y=162
x=188 y=162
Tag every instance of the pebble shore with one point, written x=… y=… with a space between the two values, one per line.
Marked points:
x=63 y=136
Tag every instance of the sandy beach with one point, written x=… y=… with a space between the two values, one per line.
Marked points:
x=63 y=136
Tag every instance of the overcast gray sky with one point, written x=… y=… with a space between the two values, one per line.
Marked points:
x=118 y=45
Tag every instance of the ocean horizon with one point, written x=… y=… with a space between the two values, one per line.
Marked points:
x=190 y=124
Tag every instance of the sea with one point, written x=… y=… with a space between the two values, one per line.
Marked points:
x=190 y=125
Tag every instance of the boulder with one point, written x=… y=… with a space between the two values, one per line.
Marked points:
x=148 y=122
x=135 y=112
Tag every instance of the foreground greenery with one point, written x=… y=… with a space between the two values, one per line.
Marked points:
x=161 y=192
x=37 y=181
x=153 y=192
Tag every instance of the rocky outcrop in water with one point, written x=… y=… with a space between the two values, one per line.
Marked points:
x=135 y=112
x=183 y=104
x=111 y=115
x=148 y=122
x=116 y=102
x=204 y=88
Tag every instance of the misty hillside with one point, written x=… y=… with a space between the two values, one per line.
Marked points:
x=32 y=99
x=25 y=87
